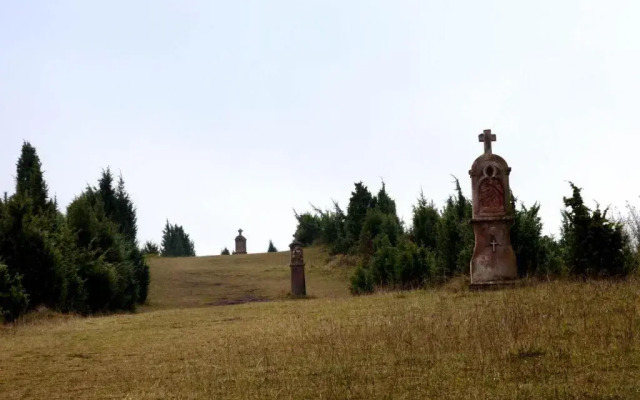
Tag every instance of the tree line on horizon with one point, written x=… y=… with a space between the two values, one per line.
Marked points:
x=439 y=243
x=85 y=260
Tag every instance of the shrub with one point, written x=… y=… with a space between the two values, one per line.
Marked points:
x=594 y=245
x=308 y=229
x=13 y=298
x=150 y=248
x=361 y=282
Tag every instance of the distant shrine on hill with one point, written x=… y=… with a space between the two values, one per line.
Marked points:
x=241 y=243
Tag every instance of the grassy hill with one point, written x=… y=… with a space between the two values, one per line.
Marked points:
x=568 y=340
x=223 y=280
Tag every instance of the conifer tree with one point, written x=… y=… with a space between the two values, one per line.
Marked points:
x=150 y=248
x=29 y=178
x=594 y=245
x=272 y=248
x=425 y=223
x=454 y=244
x=176 y=242
x=125 y=214
x=107 y=194
x=360 y=202
x=28 y=222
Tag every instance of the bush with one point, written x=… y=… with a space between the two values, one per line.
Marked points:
x=425 y=223
x=27 y=249
x=150 y=248
x=415 y=266
x=225 y=252
x=361 y=282
x=308 y=229
x=594 y=245
x=13 y=298
x=455 y=239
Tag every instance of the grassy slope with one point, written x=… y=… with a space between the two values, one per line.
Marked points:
x=217 y=280
x=556 y=340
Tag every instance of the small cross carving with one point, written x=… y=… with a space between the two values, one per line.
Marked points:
x=487 y=137
x=493 y=243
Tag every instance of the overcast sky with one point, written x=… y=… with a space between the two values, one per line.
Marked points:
x=230 y=114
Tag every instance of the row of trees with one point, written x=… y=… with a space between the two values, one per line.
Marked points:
x=439 y=243
x=85 y=260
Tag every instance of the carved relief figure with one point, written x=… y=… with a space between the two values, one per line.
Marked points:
x=296 y=256
x=491 y=191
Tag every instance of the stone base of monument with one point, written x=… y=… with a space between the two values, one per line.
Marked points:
x=493 y=264
x=495 y=285
x=298 y=284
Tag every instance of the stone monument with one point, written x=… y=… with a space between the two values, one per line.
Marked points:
x=298 y=285
x=493 y=261
x=241 y=243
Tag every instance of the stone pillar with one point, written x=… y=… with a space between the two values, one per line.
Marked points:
x=493 y=261
x=241 y=243
x=298 y=284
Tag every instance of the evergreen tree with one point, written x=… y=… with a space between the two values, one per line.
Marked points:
x=13 y=298
x=30 y=182
x=125 y=214
x=150 y=248
x=107 y=195
x=118 y=207
x=594 y=245
x=176 y=242
x=360 y=202
x=425 y=223
x=27 y=227
x=272 y=248
x=308 y=229
x=384 y=203
x=455 y=239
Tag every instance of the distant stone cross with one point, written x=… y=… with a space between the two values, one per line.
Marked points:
x=487 y=137
x=493 y=243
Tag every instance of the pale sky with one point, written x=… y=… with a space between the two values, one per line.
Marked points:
x=229 y=114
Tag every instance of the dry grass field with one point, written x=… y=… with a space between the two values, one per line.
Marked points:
x=558 y=340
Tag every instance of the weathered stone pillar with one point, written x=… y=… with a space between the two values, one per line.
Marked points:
x=241 y=243
x=298 y=285
x=493 y=261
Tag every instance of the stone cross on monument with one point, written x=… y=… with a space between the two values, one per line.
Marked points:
x=487 y=137
x=493 y=261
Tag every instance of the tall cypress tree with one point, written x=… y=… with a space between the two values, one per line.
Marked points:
x=30 y=182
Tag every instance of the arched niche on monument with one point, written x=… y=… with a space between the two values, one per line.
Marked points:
x=490 y=187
